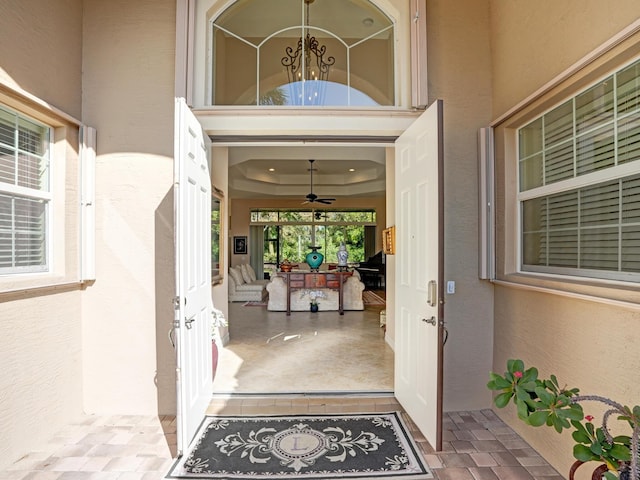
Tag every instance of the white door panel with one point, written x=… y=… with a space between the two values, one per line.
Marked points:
x=192 y=213
x=419 y=307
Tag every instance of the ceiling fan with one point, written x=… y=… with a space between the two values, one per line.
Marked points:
x=312 y=197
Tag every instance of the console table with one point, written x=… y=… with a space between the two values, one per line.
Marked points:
x=310 y=280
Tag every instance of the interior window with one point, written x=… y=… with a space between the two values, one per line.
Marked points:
x=303 y=53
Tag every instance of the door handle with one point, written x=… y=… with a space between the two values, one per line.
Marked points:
x=188 y=322
x=432 y=293
x=430 y=321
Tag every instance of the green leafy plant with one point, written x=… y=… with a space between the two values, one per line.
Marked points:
x=544 y=402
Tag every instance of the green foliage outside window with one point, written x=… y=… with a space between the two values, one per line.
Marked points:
x=292 y=230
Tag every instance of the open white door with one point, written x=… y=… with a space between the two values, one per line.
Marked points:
x=193 y=304
x=419 y=273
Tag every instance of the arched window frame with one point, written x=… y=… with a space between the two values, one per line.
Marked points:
x=400 y=61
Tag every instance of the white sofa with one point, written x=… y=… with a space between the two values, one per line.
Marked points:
x=244 y=286
x=351 y=300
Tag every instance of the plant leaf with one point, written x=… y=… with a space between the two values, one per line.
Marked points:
x=620 y=452
x=583 y=453
x=596 y=448
x=545 y=397
x=581 y=436
x=531 y=375
x=539 y=418
x=571 y=413
x=523 y=410
x=498 y=382
x=502 y=400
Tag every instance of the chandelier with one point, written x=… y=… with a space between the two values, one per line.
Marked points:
x=307 y=61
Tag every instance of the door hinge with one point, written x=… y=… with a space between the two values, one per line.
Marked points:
x=176 y=302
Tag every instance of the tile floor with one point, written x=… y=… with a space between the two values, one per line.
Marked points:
x=477 y=445
x=340 y=353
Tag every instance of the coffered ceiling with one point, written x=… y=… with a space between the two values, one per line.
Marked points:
x=283 y=172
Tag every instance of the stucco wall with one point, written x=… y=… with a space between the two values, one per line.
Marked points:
x=40 y=384
x=459 y=65
x=532 y=42
x=128 y=91
x=40 y=50
x=587 y=343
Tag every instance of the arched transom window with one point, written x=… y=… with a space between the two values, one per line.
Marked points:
x=302 y=53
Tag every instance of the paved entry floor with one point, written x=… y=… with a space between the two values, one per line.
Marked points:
x=477 y=445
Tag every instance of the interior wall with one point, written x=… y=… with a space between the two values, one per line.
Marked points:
x=220 y=180
x=41 y=347
x=558 y=333
x=128 y=95
x=390 y=172
x=459 y=66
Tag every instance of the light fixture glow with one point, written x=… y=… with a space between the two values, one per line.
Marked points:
x=308 y=62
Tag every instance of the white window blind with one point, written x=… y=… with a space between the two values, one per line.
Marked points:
x=579 y=179
x=24 y=193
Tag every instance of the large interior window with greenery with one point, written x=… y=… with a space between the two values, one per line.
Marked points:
x=289 y=234
x=579 y=183
x=302 y=53
x=25 y=193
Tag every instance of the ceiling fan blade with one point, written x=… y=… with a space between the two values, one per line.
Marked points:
x=326 y=201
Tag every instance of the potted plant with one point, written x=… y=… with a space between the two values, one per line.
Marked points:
x=314 y=295
x=543 y=402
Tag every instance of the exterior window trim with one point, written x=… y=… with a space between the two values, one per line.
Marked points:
x=64 y=250
x=612 y=55
x=44 y=195
x=613 y=173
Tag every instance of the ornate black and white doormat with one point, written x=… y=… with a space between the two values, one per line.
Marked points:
x=303 y=447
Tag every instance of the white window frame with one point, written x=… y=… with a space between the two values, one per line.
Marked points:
x=193 y=38
x=212 y=25
x=616 y=172
x=45 y=195
x=71 y=220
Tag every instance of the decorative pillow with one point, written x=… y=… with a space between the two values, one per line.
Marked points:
x=244 y=269
x=236 y=275
x=251 y=272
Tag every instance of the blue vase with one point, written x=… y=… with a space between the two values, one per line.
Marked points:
x=314 y=259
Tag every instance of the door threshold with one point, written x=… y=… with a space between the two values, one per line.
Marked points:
x=320 y=393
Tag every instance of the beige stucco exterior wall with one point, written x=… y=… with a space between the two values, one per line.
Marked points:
x=40 y=356
x=586 y=342
x=128 y=95
x=40 y=50
x=533 y=42
x=459 y=67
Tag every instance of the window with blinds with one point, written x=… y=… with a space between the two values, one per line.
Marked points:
x=579 y=183
x=25 y=194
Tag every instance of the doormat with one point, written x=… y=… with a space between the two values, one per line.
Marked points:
x=303 y=447
x=255 y=304
x=371 y=298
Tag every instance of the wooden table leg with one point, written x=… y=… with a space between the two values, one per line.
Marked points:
x=340 y=294
x=288 y=295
